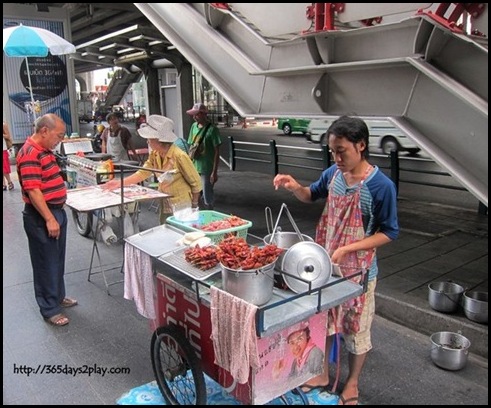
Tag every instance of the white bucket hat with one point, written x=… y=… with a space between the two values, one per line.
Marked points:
x=158 y=127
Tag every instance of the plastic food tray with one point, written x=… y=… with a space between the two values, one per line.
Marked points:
x=205 y=217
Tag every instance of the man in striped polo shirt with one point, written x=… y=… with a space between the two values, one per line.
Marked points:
x=45 y=220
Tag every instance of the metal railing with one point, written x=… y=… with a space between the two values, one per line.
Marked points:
x=275 y=155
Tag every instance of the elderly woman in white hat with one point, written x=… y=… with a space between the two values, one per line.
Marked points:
x=180 y=180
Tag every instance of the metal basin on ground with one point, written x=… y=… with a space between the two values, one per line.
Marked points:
x=445 y=296
x=449 y=350
x=476 y=306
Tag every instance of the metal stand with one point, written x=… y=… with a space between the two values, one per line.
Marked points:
x=95 y=251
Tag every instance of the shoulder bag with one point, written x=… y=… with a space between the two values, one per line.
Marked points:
x=195 y=149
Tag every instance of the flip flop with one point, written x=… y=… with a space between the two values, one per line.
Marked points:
x=346 y=401
x=309 y=388
x=58 y=320
x=67 y=302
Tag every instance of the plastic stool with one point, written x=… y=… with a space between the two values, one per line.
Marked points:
x=155 y=204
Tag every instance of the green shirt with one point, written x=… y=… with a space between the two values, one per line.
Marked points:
x=204 y=163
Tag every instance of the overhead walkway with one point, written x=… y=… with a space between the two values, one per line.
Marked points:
x=430 y=80
x=119 y=86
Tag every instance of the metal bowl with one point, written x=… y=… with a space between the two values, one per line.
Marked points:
x=445 y=296
x=253 y=285
x=449 y=350
x=476 y=306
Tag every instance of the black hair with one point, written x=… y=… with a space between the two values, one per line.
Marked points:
x=307 y=333
x=110 y=116
x=352 y=128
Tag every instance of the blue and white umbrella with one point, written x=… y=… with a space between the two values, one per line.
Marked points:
x=26 y=41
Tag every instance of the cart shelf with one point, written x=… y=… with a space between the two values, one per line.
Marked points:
x=285 y=307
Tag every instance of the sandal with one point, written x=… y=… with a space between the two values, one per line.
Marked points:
x=58 y=320
x=11 y=186
x=348 y=401
x=67 y=302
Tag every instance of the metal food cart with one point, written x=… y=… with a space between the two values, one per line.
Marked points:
x=182 y=348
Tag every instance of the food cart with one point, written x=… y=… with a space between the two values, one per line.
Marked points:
x=82 y=168
x=182 y=345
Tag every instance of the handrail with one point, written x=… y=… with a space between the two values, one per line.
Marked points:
x=277 y=155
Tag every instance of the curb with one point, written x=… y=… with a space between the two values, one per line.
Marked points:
x=428 y=322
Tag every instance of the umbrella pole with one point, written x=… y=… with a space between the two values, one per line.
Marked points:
x=30 y=90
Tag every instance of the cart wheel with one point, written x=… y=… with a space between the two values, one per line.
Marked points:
x=83 y=222
x=177 y=368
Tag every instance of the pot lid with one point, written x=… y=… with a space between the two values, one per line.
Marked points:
x=308 y=261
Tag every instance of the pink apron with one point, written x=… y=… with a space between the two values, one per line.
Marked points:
x=341 y=224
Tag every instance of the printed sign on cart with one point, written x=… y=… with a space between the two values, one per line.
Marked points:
x=290 y=357
x=287 y=358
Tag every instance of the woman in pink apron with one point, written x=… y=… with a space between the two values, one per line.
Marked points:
x=360 y=215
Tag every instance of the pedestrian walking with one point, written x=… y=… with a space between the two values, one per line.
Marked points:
x=204 y=141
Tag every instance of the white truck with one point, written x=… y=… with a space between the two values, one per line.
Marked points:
x=85 y=111
x=383 y=135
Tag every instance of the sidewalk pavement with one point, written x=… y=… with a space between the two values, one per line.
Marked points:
x=436 y=243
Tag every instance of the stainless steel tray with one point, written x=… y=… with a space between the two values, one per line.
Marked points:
x=177 y=261
x=157 y=241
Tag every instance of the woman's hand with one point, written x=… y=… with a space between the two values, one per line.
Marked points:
x=286 y=181
x=111 y=185
x=338 y=255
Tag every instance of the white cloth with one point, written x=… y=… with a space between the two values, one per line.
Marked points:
x=233 y=331
x=138 y=280
x=115 y=147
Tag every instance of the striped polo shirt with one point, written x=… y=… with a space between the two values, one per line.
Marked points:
x=37 y=169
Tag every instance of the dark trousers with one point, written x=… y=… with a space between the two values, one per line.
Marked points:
x=47 y=259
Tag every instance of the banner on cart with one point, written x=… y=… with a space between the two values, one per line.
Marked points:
x=290 y=357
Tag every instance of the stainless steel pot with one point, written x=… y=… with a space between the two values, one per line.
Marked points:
x=476 y=306
x=449 y=350
x=445 y=296
x=285 y=240
x=255 y=285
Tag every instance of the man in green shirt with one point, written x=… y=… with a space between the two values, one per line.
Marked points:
x=206 y=138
